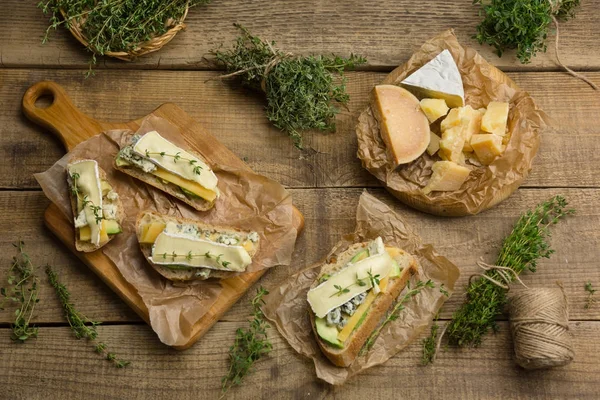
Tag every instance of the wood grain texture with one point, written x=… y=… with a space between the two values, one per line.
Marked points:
x=386 y=32
x=57 y=365
x=568 y=155
x=329 y=214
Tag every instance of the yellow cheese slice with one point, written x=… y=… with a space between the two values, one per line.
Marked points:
x=190 y=186
x=151 y=231
x=434 y=109
x=487 y=147
x=353 y=321
x=434 y=144
x=404 y=127
x=88 y=185
x=495 y=118
x=326 y=296
x=85 y=233
x=447 y=176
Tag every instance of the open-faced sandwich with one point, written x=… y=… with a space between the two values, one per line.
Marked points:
x=353 y=293
x=180 y=173
x=184 y=250
x=96 y=207
x=427 y=113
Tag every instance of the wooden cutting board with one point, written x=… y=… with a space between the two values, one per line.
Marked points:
x=73 y=127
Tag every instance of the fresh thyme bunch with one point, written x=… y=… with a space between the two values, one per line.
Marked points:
x=115 y=25
x=300 y=90
x=249 y=346
x=22 y=290
x=520 y=24
x=82 y=327
x=521 y=250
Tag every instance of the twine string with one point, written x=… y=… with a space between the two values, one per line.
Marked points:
x=506 y=275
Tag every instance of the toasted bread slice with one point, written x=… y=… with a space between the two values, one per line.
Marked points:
x=344 y=357
x=182 y=274
x=199 y=204
x=84 y=246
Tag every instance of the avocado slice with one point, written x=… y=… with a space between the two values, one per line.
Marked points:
x=328 y=333
x=361 y=255
x=189 y=194
x=395 y=269
x=112 y=227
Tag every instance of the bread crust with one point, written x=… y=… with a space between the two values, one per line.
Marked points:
x=185 y=274
x=88 y=247
x=345 y=357
x=170 y=188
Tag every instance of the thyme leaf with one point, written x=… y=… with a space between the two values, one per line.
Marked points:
x=590 y=299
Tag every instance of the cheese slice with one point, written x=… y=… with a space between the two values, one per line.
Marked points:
x=439 y=79
x=487 y=147
x=174 y=248
x=404 y=126
x=174 y=159
x=196 y=188
x=90 y=194
x=434 y=109
x=447 y=176
x=325 y=298
x=495 y=118
x=434 y=144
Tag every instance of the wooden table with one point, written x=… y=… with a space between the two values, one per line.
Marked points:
x=325 y=185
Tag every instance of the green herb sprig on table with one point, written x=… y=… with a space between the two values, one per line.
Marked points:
x=590 y=299
x=115 y=25
x=521 y=250
x=23 y=290
x=429 y=344
x=249 y=346
x=395 y=312
x=82 y=327
x=300 y=90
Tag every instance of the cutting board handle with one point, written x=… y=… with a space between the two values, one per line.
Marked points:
x=61 y=116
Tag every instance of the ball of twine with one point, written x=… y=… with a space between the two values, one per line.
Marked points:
x=539 y=323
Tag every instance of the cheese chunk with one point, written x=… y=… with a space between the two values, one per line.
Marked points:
x=434 y=144
x=487 y=147
x=452 y=143
x=453 y=119
x=495 y=118
x=434 y=109
x=447 y=176
x=404 y=127
x=165 y=154
x=326 y=296
x=439 y=79
x=174 y=248
x=471 y=126
x=85 y=176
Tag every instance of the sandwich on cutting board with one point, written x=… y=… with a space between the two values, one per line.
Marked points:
x=185 y=250
x=408 y=115
x=159 y=163
x=352 y=295
x=97 y=209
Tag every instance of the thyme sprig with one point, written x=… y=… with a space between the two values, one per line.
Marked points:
x=82 y=327
x=249 y=346
x=373 y=279
x=429 y=344
x=176 y=157
x=113 y=26
x=520 y=24
x=590 y=299
x=300 y=90
x=23 y=291
x=521 y=250
x=190 y=255
x=396 y=310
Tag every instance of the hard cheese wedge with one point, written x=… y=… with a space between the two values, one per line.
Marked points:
x=452 y=144
x=439 y=79
x=487 y=147
x=447 y=176
x=434 y=109
x=495 y=118
x=404 y=127
x=434 y=144
x=471 y=126
x=326 y=296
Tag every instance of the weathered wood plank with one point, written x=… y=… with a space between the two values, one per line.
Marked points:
x=387 y=33
x=567 y=157
x=329 y=214
x=59 y=366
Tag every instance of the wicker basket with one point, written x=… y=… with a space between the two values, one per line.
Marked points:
x=142 y=48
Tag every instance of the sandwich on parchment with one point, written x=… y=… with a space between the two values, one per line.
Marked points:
x=184 y=249
x=97 y=209
x=180 y=173
x=353 y=293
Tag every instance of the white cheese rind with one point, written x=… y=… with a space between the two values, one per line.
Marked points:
x=151 y=145
x=439 y=78
x=170 y=242
x=323 y=298
x=88 y=185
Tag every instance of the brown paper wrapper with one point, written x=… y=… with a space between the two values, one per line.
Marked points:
x=486 y=185
x=286 y=305
x=248 y=202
